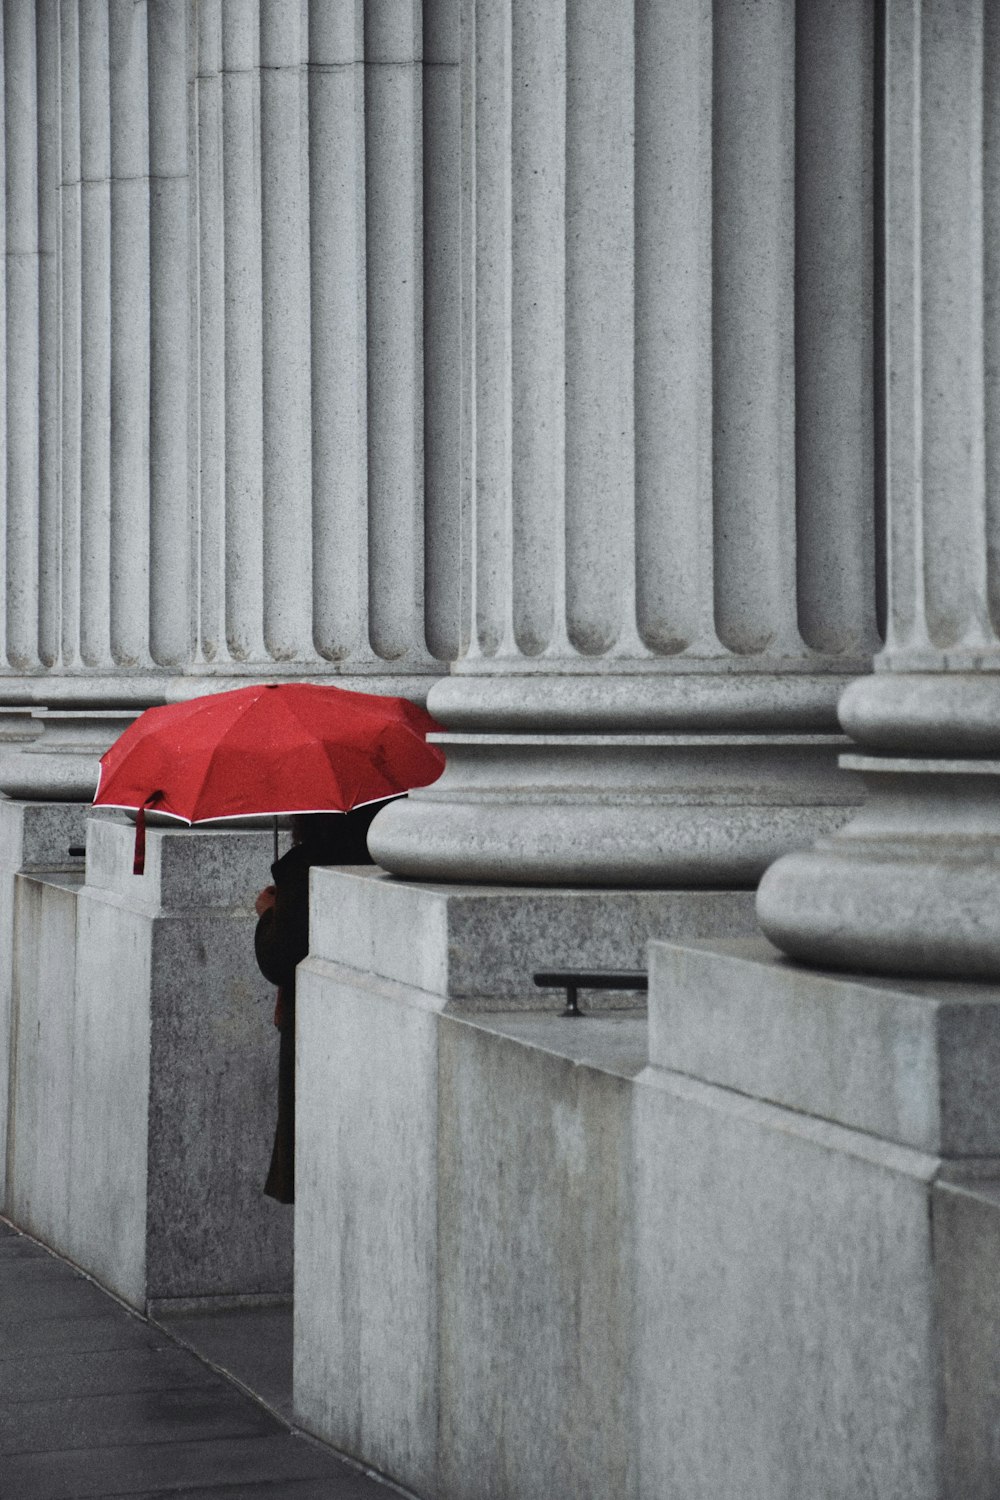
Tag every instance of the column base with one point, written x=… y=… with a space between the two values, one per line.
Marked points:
x=909 y=886
x=666 y=810
x=60 y=761
x=949 y=711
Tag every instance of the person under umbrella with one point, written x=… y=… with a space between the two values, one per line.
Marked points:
x=327 y=756
x=281 y=941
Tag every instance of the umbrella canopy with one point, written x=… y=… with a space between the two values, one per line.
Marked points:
x=270 y=749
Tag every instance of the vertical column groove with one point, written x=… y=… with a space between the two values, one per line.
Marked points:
x=95 y=375
x=286 y=331
x=339 y=355
x=834 y=429
x=22 y=296
x=130 y=390
x=599 y=603
x=753 y=327
x=991 y=303
x=443 y=356
x=538 y=316
x=394 y=247
x=673 y=327
x=490 y=130
x=244 y=528
x=70 y=270
x=170 y=540
x=49 y=499
x=951 y=220
x=904 y=461
x=211 y=344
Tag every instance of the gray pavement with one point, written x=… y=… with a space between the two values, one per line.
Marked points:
x=96 y=1401
x=252 y=1344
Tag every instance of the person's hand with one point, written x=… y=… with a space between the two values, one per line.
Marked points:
x=265 y=900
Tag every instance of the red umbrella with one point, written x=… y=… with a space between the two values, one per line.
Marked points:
x=270 y=749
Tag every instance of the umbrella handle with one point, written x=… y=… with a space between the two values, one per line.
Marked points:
x=139 y=853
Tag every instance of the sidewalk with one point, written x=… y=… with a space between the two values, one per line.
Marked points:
x=95 y=1401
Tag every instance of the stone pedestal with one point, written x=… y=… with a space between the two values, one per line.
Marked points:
x=145 y=1078
x=478 y=946
x=815 y=1242
x=912 y=885
x=472 y=1330
x=40 y=1140
x=34 y=838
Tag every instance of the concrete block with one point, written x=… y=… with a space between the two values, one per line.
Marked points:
x=159 y=1061
x=786 y=1304
x=109 y=1039
x=471 y=1332
x=478 y=946
x=33 y=836
x=40 y=1118
x=909 y=1060
x=535 y=1225
x=184 y=872
x=818 y=1221
x=366 y=1263
x=212 y=1105
x=966 y=1228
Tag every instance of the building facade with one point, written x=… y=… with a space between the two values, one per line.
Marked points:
x=619 y=377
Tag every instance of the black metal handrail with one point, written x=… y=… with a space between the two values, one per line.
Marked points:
x=574 y=980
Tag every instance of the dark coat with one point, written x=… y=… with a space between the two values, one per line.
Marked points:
x=282 y=937
x=281 y=941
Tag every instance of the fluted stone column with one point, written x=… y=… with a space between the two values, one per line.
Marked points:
x=670 y=442
x=21 y=511
x=231 y=407
x=912 y=885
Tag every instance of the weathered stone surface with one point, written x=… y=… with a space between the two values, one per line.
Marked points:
x=966 y=1220
x=537 y=1392
x=33 y=836
x=144 y=1104
x=912 y=1061
x=478 y=946
x=366 y=1334
x=813 y=1306
x=40 y=1120
x=786 y=1304
x=478 y=1312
